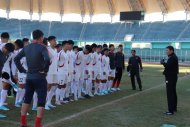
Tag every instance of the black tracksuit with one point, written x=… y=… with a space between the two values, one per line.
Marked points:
x=120 y=66
x=135 y=65
x=38 y=61
x=171 y=75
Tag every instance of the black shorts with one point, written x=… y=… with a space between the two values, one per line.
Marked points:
x=40 y=87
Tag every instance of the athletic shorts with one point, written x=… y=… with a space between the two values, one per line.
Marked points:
x=21 y=78
x=104 y=76
x=62 y=78
x=40 y=87
x=112 y=73
x=96 y=75
x=52 y=78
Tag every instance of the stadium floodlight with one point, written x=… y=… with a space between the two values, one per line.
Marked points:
x=8 y=14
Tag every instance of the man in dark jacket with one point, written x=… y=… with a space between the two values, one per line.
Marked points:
x=120 y=67
x=171 y=75
x=38 y=62
x=134 y=66
x=112 y=66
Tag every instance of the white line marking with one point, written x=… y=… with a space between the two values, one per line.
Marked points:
x=106 y=104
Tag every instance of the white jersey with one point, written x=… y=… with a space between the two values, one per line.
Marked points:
x=63 y=62
x=79 y=61
x=2 y=44
x=23 y=62
x=96 y=62
x=105 y=64
x=9 y=65
x=88 y=62
x=71 y=61
x=53 y=60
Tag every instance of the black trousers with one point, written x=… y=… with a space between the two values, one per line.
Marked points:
x=135 y=73
x=171 y=82
x=118 y=76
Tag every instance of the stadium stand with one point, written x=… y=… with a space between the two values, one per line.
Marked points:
x=155 y=31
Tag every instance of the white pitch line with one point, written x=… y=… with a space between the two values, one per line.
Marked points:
x=91 y=109
x=106 y=104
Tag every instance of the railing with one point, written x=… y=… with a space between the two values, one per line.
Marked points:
x=155 y=55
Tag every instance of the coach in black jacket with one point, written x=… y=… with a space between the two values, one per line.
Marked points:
x=171 y=75
x=134 y=66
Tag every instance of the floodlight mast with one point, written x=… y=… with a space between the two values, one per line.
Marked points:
x=61 y=7
x=82 y=10
x=186 y=5
x=31 y=9
x=8 y=3
x=112 y=10
x=91 y=9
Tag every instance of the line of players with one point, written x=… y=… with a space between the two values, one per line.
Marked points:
x=72 y=73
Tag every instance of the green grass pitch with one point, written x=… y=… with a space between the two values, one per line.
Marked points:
x=126 y=108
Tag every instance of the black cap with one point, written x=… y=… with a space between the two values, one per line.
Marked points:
x=10 y=47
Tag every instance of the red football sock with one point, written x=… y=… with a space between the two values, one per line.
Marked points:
x=118 y=83
x=23 y=120
x=38 y=122
x=114 y=82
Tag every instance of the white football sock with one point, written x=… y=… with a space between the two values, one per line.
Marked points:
x=62 y=93
x=107 y=86
x=50 y=94
x=72 y=87
x=18 y=94
x=87 y=91
x=57 y=94
x=96 y=88
x=3 y=97
x=75 y=88
x=68 y=89
x=90 y=87
x=79 y=89
x=110 y=84
x=22 y=95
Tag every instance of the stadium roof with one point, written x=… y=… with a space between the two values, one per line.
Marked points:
x=88 y=8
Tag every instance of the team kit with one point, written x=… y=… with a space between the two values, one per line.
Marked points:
x=74 y=73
